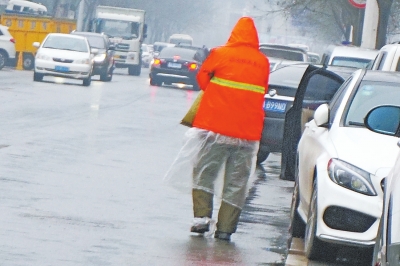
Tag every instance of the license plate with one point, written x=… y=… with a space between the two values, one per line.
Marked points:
x=62 y=68
x=275 y=106
x=174 y=65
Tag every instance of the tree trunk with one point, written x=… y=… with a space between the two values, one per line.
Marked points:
x=384 y=13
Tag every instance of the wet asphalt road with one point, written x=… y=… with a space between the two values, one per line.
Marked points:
x=81 y=172
x=81 y=180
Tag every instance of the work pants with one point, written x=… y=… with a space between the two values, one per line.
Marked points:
x=235 y=162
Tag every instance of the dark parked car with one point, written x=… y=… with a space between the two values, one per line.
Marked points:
x=104 y=59
x=287 y=86
x=178 y=64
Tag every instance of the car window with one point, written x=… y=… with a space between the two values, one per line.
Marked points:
x=369 y=95
x=289 y=76
x=350 y=62
x=320 y=89
x=65 y=43
x=185 y=54
x=337 y=98
x=284 y=54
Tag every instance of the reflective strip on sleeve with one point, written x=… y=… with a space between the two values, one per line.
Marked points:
x=238 y=85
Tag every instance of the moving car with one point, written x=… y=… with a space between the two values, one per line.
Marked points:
x=284 y=52
x=349 y=56
x=285 y=84
x=178 y=64
x=158 y=46
x=104 y=64
x=64 y=55
x=341 y=166
x=7 y=47
x=147 y=56
x=386 y=120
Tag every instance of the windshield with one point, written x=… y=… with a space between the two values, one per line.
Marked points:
x=96 y=42
x=369 y=95
x=66 y=43
x=118 y=28
x=350 y=62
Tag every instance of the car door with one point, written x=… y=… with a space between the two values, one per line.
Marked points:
x=317 y=86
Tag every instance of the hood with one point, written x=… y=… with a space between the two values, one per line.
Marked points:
x=373 y=152
x=244 y=33
x=66 y=54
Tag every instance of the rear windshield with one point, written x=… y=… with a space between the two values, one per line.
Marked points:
x=284 y=54
x=350 y=62
x=285 y=80
x=185 y=54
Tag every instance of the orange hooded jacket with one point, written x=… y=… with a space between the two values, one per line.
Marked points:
x=234 y=78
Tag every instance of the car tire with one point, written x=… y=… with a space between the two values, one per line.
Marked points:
x=86 y=82
x=3 y=59
x=134 y=70
x=196 y=86
x=155 y=82
x=37 y=76
x=262 y=156
x=28 y=62
x=105 y=76
x=296 y=227
x=314 y=248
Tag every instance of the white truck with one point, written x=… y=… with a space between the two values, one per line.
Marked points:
x=388 y=58
x=125 y=28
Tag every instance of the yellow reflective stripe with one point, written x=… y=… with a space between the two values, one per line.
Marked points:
x=238 y=85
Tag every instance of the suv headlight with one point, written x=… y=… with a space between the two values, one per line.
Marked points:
x=99 y=58
x=43 y=57
x=82 y=61
x=350 y=177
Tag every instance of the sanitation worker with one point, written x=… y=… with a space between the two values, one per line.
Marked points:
x=227 y=127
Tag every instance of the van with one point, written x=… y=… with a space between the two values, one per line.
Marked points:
x=180 y=39
x=348 y=56
x=25 y=7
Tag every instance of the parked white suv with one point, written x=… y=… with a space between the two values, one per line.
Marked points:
x=7 y=46
x=388 y=58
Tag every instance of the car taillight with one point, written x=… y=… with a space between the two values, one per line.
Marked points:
x=157 y=62
x=192 y=66
x=12 y=40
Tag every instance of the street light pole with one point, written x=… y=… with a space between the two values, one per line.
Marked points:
x=370 y=27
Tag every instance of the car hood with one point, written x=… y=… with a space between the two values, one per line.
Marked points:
x=365 y=149
x=63 y=53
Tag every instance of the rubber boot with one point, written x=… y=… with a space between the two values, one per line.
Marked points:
x=202 y=203
x=228 y=218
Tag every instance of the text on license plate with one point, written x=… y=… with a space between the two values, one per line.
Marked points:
x=174 y=65
x=62 y=68
x=275 y=106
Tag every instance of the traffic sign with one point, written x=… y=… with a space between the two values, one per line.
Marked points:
x=358 y=3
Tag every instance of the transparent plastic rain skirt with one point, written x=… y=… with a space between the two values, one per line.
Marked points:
x=214 y=163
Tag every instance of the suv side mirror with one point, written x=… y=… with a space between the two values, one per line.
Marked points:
x=384 y=119
x=321 y=115
x=36 y=44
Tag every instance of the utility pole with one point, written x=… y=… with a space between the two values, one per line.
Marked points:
x=370 y=28
x=79 y=18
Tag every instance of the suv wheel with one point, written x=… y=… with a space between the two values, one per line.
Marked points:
x=105 y=76
x=3 y=59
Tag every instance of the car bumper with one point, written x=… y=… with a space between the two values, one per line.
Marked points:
x=360 y=210
x=173 y=76
x=75 y=71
